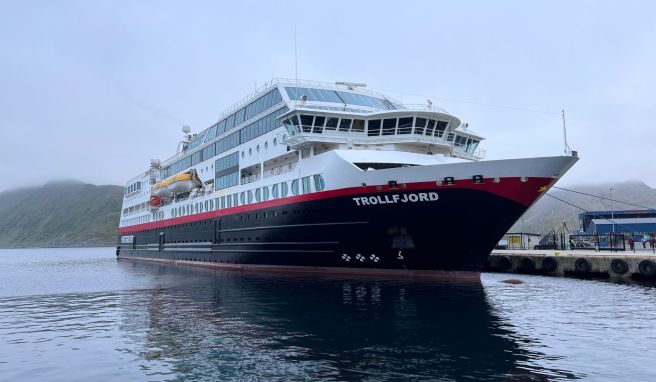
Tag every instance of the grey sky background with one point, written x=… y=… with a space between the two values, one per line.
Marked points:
x=92 y=90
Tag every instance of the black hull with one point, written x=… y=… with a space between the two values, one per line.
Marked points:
x=454 y=233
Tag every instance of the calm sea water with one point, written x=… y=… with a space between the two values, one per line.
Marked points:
x=79 y=314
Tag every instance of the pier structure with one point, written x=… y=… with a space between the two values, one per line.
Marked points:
x=616 y=266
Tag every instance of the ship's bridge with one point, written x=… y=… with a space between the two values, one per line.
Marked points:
x=421 y=129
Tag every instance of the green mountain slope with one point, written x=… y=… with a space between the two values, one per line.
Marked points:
x=60 y=214
x=549 y=213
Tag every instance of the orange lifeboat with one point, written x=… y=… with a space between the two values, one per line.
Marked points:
x=155 y=200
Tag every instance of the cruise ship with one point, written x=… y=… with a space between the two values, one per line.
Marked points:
x=305 y=176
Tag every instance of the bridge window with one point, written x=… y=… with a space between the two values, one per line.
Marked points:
x=358 y=126
x=449 y=138
x=345 y=124
x=306 y=123
x=331 y=123
x=318 y=124
x=405 y=125
x=430 y=127
x=420 y=125
x=441 y=126
x=374 y=128
x=389 y=126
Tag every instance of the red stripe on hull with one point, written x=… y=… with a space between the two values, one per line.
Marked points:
x=457 y=276
x=522 y=192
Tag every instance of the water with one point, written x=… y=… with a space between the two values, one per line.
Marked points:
x=79 y=314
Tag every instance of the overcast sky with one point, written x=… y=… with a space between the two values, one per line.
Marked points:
x=92 y=90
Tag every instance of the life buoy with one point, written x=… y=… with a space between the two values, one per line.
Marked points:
x=504 y=263
x=527 y=264
x=582 y=265
x=619 y=266
x=647 y=268
x=277 y=170
x=549 y=264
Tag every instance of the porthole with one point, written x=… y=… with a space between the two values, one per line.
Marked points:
x=275 y=142
x=266 y=145
x=250 y=151
x=243 y=155
x=257 y=148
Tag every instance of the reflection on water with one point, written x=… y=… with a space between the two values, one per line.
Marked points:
x=142 y=321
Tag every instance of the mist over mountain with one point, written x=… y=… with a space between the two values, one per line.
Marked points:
x=60 y=213
x=549 y=213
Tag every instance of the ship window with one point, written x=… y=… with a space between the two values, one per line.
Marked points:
x=405 y=125
x=389 y=126
x=430 y=127
x=306 y=185
x=235 y=201
x=331 y=123
x=228 y=202
x=249 y=193
x=265 y=193
x=212 y=205
x=420 y=124
x=358 y=126
x=230 y=122
x=258 y=195
x=318 y=124
x=345 y=125
x=223 y=204
x=283 y=189
x=306 y=123
x=207 y=204
x=460 y=141
x=295 y=187
x=449 y=138
x=374 y=127
x=242 y=198
x=319 y=184
x=274 y=191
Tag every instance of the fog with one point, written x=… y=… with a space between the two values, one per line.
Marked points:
x=92 y=90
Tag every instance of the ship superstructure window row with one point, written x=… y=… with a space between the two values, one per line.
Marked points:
x=341 y=97
x=404 y=125
x=247 y=112
x=243 y=135
x=304 y=185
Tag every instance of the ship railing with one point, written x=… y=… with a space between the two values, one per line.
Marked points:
x=250 y=178
x=282 y=169
x=477 y=154
x=424 y=107
x=332 y=85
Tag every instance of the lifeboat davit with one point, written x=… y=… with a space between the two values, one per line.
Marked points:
x=160 y=189
x=181 y=183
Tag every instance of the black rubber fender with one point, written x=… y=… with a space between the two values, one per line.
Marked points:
x=619 y=266
x=504 y=263
x=582 y=265
x=549 y=264
x=647 y=268
x=527 y=263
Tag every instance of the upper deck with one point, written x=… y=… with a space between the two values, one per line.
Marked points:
x=336 y=116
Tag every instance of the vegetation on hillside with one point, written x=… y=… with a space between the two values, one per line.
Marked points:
x=60 y=214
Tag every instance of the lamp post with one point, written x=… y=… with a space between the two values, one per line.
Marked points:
x=612 y=213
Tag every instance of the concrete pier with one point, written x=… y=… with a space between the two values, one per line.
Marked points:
x=588 y=264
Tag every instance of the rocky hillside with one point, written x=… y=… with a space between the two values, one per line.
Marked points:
x=549 y=213
x=60 y=214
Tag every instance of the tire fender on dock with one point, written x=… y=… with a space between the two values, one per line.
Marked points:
x=582 y=265
x=527 y=263
x=647 y=268
x=504 y=263
x=549 y=264
x=619 y=266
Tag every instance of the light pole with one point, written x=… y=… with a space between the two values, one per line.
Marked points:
x=612 y=213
